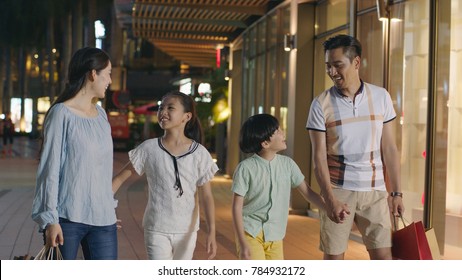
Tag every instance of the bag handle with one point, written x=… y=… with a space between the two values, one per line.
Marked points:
x=51 y=254
x=395 y=224
x=48 y=252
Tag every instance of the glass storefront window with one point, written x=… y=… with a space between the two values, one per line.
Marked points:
x=248 y=100
x=265 y=74
x=370 y=32
x=272 y=60
x=331 y=14
x=449 y=112
x=413 y=117
x=260 y=88
x=396 y=69
x=284 y=68
x=365 y=4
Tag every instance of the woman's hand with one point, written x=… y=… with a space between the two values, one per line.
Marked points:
x=54 y=235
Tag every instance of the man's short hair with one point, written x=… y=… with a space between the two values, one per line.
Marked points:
x=350 y=45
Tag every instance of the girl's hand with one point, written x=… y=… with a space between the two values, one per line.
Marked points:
x=211 y=246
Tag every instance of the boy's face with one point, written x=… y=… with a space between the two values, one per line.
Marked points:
x=277 y=141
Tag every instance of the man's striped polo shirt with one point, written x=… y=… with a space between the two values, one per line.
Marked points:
x=353 y=134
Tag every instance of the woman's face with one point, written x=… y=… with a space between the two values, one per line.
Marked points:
x=102 y=81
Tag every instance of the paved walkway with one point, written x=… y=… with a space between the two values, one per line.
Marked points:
x=19 y=234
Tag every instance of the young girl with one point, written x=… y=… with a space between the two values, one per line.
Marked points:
x=262 y=185
x=177 y=166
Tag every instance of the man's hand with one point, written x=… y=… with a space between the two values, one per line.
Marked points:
x=337 y=211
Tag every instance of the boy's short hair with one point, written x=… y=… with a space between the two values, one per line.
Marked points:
x=255 y=130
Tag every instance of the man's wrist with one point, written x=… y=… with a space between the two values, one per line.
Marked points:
x=395 y=194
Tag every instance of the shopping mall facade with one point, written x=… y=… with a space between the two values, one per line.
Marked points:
x=414 y=51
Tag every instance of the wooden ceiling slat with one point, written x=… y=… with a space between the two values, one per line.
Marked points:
x=224 y=22
x=206 y=34
x=190 y=30
x=226 y=6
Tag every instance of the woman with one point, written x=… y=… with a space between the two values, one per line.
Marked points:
x=73 y=202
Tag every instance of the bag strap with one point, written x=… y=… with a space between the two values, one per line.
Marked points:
x=48 y=253
x=395 y=224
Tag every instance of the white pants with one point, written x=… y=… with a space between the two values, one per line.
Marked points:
x=169 y=246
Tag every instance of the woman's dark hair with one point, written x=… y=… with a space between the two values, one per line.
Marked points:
x=255 y=130
x=350 y=45
x=82 y=63
x=193 y=128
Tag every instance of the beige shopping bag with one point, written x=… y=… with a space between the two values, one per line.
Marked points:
x=433 y=243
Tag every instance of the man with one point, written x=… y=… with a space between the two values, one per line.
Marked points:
x=350 y=130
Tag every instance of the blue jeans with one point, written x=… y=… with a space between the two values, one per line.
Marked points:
x=98 y=242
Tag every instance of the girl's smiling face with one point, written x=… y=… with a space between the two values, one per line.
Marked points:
x=171 y=113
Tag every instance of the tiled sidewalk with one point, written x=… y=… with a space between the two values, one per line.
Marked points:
x=19 y=235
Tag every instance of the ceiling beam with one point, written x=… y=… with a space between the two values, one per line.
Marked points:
x=145 y=20
x=187 y=32
x=184 y=46
x=183 y=40
x=185 y=51
x=225 y=7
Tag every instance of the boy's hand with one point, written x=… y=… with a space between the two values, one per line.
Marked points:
x=343 y=215
x=244 y=253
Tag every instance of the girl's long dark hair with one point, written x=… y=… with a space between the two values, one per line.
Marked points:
x=82 y=63
x=193 y=128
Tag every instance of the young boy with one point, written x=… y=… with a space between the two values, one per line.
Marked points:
x=262 y=185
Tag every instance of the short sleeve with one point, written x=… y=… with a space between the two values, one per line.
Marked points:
x=389 y=112
x=208 y=168
x=316 y=119
x=138 y=157
x=241 y=182
x=297 y=176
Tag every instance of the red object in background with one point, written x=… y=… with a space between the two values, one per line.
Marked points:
x=148 y=109
x=218 y=54
x=119 y=126
x=121 y=99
